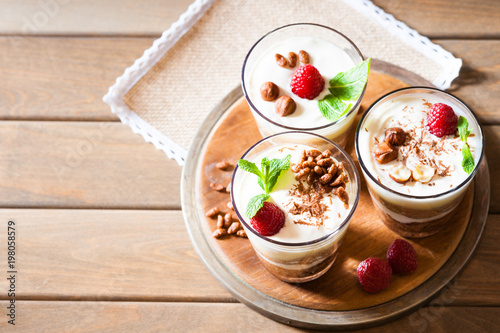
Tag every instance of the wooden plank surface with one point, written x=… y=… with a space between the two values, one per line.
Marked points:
x=107 y=255
x=61 y=78
x=68 y=76
x=90 y=17
x=105 y=165
x=191 y=317
x=85 y=165
x=492 y=149
x=127 y=17
x=147 y=255
x=478 y=84
x=447 y=18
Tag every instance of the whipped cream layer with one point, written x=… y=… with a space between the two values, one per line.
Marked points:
x=294 y=230
x=325 y=56
x=421 y=148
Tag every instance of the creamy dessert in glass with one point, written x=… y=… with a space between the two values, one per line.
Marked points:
x=316 y=197
x=414 y=159
x=270 y=80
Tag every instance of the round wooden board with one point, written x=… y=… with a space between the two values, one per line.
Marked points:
x=335 y=299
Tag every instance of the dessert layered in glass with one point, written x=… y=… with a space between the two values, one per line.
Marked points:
x=327 y=50
x=317 y=194
x=413 y=169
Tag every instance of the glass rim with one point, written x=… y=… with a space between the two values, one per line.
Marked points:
x=290 y=128
x=314 y=241
x=372 y=177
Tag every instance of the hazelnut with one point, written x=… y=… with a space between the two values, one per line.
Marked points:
x=219 y=233
x=222 y=165
x=269 y=91
x=326 y=178
x=319 y=170
x=338 y=181
x=285 y=106
x=241 y=233
x=212 y=212
x=396 y=136
x=343 y=196
x=303 y=57
x=325 y=162
x=235 y=226
x=280 y=60
x=385 y=152
x=400 y=173
x=423 y=173
x=292 y=59
x=340 y=168
x=333 y=169
x=220 y=221
x=313 y=153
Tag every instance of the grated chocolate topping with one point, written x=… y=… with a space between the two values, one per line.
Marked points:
x=317 y=174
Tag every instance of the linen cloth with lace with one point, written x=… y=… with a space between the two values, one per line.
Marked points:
x=167 y=93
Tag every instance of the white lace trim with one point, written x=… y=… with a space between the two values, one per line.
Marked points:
x=451 y=65
x=114 y=97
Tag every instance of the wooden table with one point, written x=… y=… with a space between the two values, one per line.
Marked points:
x=101 y=242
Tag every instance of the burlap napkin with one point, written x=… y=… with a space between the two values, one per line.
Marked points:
x=166 y=95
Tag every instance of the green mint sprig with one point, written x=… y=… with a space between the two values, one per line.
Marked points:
x=268 y=175
x=345 y=86
x=464 y=132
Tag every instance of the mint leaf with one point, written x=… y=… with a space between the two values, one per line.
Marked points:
x=463 y=130
x=249 y=167
x=332 y=108
x=467 y=159
x=345 y=86
x=255 y=204
x=268 y=175
x=348 y=85
x=277 y=166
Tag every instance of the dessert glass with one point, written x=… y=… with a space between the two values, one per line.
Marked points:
x=337 y=130
x=415 y=216
x=297 y=262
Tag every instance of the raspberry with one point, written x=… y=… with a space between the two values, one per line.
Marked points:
x=374 y=274
x=402 y=257
x=442 y=120
x=268 y=220
x=307 y=82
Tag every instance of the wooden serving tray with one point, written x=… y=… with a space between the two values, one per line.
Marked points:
x=336 y=299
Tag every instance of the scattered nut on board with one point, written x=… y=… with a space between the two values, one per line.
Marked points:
x=223 y=165
x=212 y=212
x=217 y=187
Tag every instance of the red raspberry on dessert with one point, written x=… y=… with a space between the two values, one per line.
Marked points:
x=374 y=274
x=402 y=257
x=442 y=120
x=307 y=82
x=269 y=219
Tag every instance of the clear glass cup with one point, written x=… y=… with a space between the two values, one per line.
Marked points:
x=296 y=262
x=414 y=216
x=268 y=123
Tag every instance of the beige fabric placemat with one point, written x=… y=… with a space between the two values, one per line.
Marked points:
x=174 y=96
